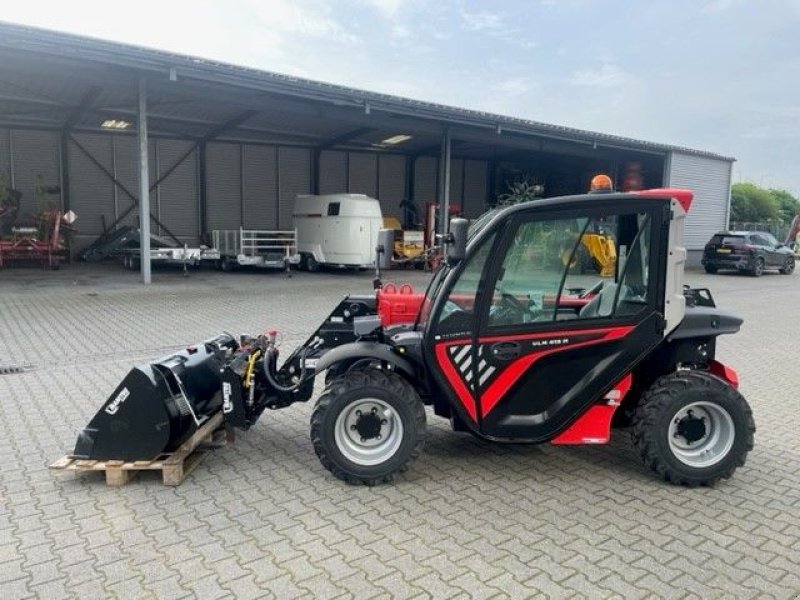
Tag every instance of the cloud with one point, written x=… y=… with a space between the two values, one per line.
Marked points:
x=482 y=21
x=608 y=75
x=515 y=86
x=388 y=8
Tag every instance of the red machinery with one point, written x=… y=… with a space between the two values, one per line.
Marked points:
x=29 y=244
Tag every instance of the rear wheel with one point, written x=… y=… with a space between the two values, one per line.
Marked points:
x=692 y=428
x=788 y=266
x=368 y=426
x=710 y=270
x=758 y=268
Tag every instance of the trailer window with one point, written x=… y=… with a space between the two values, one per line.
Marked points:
x=333 y=209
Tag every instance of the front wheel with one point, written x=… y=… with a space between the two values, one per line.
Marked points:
x=758 y=268
x=692 y=428
x=368 y=426
x=788 y=266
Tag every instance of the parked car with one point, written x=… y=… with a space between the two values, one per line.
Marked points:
x=751 y=251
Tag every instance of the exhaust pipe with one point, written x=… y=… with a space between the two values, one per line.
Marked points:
x=159 y=405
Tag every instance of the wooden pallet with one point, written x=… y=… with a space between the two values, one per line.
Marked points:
x=174 y=466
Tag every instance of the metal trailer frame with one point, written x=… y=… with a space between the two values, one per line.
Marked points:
x=265 y=249
x=185 y=256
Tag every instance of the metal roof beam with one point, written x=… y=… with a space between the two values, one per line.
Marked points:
x=345 y=137
x=83 y=107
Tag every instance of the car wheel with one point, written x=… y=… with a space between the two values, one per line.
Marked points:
x=692 y=428
x=788 y=266
x=710 y=270
x=368 y=426
x=758 y=268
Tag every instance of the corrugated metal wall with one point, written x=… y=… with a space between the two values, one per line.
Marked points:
x=363 y=174
x=294 y=177
x=332 y=172
x=475 y=188
x=425 y=178
x=223 y=186
x=91 y=193
x=710 y=180
x=36 y=160
x=260 y=186
x=252 y=185
x=392 y=184
x=177 y=195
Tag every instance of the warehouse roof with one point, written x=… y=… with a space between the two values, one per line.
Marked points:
x=30 y=44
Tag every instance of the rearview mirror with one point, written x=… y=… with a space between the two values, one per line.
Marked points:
x=457 y=247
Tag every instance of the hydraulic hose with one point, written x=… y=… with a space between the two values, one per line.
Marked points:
x=270 y=359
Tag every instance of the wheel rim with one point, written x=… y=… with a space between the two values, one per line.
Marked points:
x=789 y=265
x=368 y=431
x=701 y=434
x=759 y=266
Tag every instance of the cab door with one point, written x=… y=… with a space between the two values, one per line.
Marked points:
x=543 y=341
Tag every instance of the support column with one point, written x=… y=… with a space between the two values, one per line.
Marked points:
x=144 y=184
x=444 y=182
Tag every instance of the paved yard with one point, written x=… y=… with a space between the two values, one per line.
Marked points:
x=262 y=518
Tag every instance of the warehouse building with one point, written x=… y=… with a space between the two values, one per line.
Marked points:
x=226 y=146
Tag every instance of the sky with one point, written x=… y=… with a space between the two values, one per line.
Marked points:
x=715 y=75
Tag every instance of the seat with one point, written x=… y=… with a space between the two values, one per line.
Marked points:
x=602 y=305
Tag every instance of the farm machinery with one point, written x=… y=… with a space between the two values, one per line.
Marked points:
x=505 y=343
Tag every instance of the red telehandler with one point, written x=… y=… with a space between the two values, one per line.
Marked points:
x=506 y=343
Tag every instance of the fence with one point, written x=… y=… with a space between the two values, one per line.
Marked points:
x=779 y=229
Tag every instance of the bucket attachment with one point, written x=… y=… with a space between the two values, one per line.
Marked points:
x=159 y=405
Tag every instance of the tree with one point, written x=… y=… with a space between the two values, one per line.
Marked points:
x=788 y=205
x=750 y=202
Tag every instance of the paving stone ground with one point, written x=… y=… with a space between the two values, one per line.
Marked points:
x=262 y=518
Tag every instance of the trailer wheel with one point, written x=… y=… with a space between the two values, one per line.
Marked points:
x=310 y=263
x=692 y=428
x=368 y=426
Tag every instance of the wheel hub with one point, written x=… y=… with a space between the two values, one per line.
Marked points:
x=368 y=431
x=701 y=434
x=691 y=428
x=369 y=425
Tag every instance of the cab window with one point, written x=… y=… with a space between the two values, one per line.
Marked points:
x=577 y=268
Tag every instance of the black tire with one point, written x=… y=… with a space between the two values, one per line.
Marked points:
x=656 y=416
x=711 y=270
x=227 y=265
x=339 y=400
x=312 y=266
x=758 y=267
x=788 y=266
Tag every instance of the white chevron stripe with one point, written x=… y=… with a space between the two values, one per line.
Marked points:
x=464 y=352
x=486 y=374
x=464 y=367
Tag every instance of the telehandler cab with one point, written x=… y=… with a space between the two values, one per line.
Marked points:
x=506 y=343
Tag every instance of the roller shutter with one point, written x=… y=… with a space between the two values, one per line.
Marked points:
x=223 y=186
x=475 y=179
x=260 y=168
x=35 y=158
x=177 y=194
x=91 y=191
x=363 y=174
x=710 y=180
x=332 y=172
x=294 y=177
x=425 y=176
x=392 y=184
